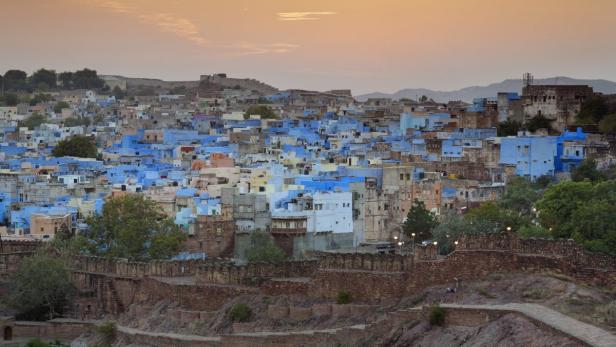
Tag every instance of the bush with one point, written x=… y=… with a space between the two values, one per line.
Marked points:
x=264 y=249
x=437 y=315
x=608 y=313
x=240 y=313
x=343 y=298
x=36 y=342
x=106 y=332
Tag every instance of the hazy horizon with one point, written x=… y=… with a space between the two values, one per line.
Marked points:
x=380 y=46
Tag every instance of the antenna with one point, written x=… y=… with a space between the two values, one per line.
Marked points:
x=528 y=79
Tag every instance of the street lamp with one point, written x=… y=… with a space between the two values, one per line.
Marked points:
x=508 y=228
x=455 y=242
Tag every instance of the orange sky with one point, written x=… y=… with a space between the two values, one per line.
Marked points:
x=367 y=46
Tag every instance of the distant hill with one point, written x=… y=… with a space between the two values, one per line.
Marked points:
x=508 y=85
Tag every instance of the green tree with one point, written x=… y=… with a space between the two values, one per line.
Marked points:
x=592 y=110
x=15 y=80
x=264 y=111
x=490 y=217
x=41 y=288
x=57 y=108
x=419 y=221
x=558 y=204
x=595 y=225
x=77 y=121
x=519 y=196
x=534 y=231
x=587 y=170
x=539 y=122
x=87 y=79
x=11 y=99
x=133 y=227
x=608 y=124
x=508 y=128
x=76 y=146
x=33 y=121
x=44 y=77
x=66 y=79
x=40 y=98
x=118 y=93
x=264 y=249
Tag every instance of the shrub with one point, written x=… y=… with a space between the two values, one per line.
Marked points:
x=485 y=293
x=437 y=315
x=343 y=298
x=537 y=293
x=240 y=313
x=106 y=332
x=609 y=313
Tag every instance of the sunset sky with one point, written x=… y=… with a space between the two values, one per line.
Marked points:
x=366 y=46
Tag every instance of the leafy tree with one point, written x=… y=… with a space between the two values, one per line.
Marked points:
x=493 y=218
x=33 y=121
x=587 y=170
x=419 y=221
x=41 y=288
x=60 y=105
x=76 y=146
x=520 y=195
x=508 y=128
x=15 y=80
x=40 y=98
x=44 y=77
x=539 y=122
x=78 y=121
x=447 y=232
x=558 y=204
x=118 y=93
x=608 y=124
x=87 y=79
x=133 y=227
x=11 y=99
x=66 y=79
x=264 y=249
x=534 y=231
x=592 y=110
x=595 y=225
x=265 y=112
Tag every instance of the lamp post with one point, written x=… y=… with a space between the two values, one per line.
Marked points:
x=413 y=242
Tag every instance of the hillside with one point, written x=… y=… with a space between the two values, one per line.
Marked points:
x=508 y=85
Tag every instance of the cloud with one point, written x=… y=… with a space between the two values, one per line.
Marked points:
x=165 y=22
x=247 y=48
x=297 y=16
x=178 y=26
x=114 y=6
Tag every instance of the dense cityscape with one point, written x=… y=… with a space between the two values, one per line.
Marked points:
x=225 y=210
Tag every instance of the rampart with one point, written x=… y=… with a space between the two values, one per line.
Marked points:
x=383 y=278
x=126 y=268
x=252 y=273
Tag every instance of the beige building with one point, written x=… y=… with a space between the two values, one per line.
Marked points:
x=44 y=226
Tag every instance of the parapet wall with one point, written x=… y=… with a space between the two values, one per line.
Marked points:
x=252 y=273
x=14 y=246
x=363 y=261
x=568 y=249
x=125 y=268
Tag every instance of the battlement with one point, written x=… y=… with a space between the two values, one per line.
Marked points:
x=252 y=273
x=568 y=249
x=125 y=268
x=363 y=261
x=16 y=246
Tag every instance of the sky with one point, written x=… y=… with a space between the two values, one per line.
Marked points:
x=365 y=46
